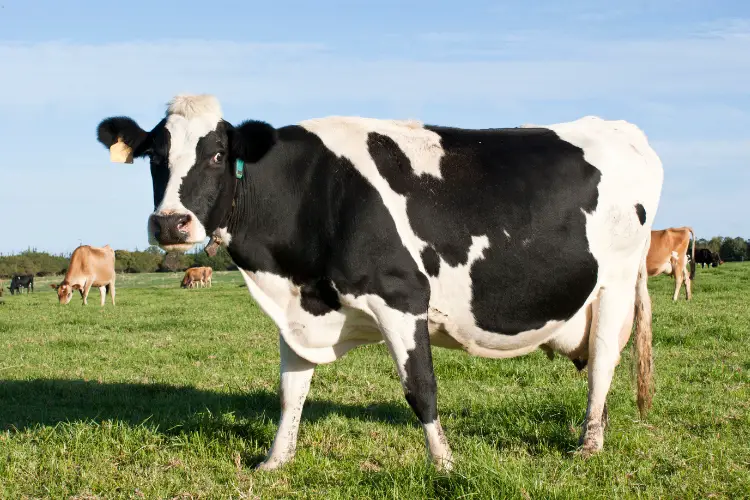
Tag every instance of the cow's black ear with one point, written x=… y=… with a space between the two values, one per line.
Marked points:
x=251 y=140
x=126 y=129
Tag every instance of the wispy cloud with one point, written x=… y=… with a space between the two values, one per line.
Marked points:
x=726 y=28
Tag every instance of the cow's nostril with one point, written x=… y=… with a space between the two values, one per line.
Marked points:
x=182 y=222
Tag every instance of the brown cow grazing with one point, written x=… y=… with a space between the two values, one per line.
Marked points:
x=668 y=255
x=89 y=266
x=193 y=277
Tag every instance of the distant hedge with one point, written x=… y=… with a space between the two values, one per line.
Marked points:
x=153 y=259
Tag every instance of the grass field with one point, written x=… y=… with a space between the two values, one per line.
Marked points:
x=172 y=393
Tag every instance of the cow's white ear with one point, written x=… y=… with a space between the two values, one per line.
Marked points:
x=120 y=152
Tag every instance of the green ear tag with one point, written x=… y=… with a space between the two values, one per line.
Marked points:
x=239 y=168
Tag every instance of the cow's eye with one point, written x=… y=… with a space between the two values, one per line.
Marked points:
x=217 y=158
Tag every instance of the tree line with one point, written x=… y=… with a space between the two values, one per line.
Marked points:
x=150 y=260
x=153 y=259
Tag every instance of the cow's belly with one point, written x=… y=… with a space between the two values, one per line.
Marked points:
x=325 y=338
x=317 y=338
x=456 y=329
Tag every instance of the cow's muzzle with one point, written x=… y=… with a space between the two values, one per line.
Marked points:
x=171 y=231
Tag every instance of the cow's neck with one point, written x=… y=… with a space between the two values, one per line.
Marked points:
x=273 y=227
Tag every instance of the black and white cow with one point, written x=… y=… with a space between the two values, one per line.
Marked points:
x=351 y=231
x=20 y=281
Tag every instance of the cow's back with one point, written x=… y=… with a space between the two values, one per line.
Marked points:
x=97 y=263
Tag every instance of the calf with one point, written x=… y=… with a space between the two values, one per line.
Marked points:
x=667 y=255
x=20 y=281
x=89 y=266
x=351 y=231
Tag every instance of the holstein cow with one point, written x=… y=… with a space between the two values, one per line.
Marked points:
x=667 y=255
x=19 y=281
x=351 y=231
x=89 y=266
x=705 y=256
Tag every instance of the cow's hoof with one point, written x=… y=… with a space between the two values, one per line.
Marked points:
x=590 y=447
x=588 y=451
x=270 y=464
x=444 y=464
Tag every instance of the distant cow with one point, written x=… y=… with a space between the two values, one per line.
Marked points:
x=705 y=256
x=197 y=276
x=667 y=254
x=89 y=266
x=21 y=281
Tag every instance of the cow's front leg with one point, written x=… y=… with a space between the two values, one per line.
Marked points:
x=296 y=374
x=408 y=341
x=86 y=289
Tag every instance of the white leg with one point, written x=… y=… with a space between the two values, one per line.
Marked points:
x=604 y=354
x=112 y=292
x=296 y=374
x=102 y=294
x=408 y=341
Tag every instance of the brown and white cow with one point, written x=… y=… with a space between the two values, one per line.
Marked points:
x=89 y=266
x=668 y=255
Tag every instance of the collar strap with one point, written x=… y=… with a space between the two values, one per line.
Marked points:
x=216 y=241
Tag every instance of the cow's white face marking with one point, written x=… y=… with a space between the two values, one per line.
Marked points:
x=189 y=118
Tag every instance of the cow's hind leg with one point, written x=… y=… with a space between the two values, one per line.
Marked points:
x=678 y=277
x=615 y=304
x=408 y=341
x=296 y=373
x=111 y=288
x=688 y=281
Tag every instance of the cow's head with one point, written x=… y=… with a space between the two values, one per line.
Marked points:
x=193 y=153
x=716 y=260
x=65 y=291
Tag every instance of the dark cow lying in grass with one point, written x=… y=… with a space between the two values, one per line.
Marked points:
x=353 y=230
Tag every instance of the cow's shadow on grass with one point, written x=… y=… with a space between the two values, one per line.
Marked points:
x=170 y=410
x=173 y=410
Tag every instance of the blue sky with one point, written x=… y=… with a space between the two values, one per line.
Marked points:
x=680 y=70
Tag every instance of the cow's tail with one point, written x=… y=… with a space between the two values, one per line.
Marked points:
x=692 y=261
x=643 y=358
